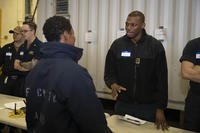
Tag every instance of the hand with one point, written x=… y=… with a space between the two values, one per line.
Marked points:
x=116 y=89
x=34 y=62
x=29 y=64
x=160 y=120
x=17 y=66
x=197 y=68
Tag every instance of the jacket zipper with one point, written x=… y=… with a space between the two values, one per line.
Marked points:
x=135 y=71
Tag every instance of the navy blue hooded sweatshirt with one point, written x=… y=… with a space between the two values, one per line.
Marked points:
x=61 y=95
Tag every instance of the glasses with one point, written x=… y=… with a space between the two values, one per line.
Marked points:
x=25 y=31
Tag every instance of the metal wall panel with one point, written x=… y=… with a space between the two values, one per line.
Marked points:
x=106 y=18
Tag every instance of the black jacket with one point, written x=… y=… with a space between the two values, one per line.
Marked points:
x=27 y=54
x=61 y=95
x=10 y=80
x=141 y=68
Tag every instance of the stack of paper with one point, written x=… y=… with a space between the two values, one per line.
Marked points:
x=132 y=119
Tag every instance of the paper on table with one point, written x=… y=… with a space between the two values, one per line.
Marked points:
x=132 y=119
x=19 y=104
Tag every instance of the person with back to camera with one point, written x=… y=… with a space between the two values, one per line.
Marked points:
x=190 y=70
x=136 y=71
x=60 y=93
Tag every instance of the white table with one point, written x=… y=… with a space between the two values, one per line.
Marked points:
x=116 y=125
x=119 y=126
x=4 y=118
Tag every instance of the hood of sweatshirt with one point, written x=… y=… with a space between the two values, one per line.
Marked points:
x=60 y=50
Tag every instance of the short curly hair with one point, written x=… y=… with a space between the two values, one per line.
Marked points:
x=55 y=26
x=137 y=13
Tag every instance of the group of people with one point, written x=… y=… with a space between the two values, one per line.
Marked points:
x=18 y=58
x=61 y=95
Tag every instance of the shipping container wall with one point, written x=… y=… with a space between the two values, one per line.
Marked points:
x=97 y=23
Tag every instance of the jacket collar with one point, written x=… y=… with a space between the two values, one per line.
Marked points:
x=60 y=50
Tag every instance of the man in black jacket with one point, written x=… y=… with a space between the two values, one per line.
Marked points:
x=29 y=52
x=60 y=93
x=10 y=79
x=136 y=71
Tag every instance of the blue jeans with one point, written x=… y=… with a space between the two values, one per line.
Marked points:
x=142 y=111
